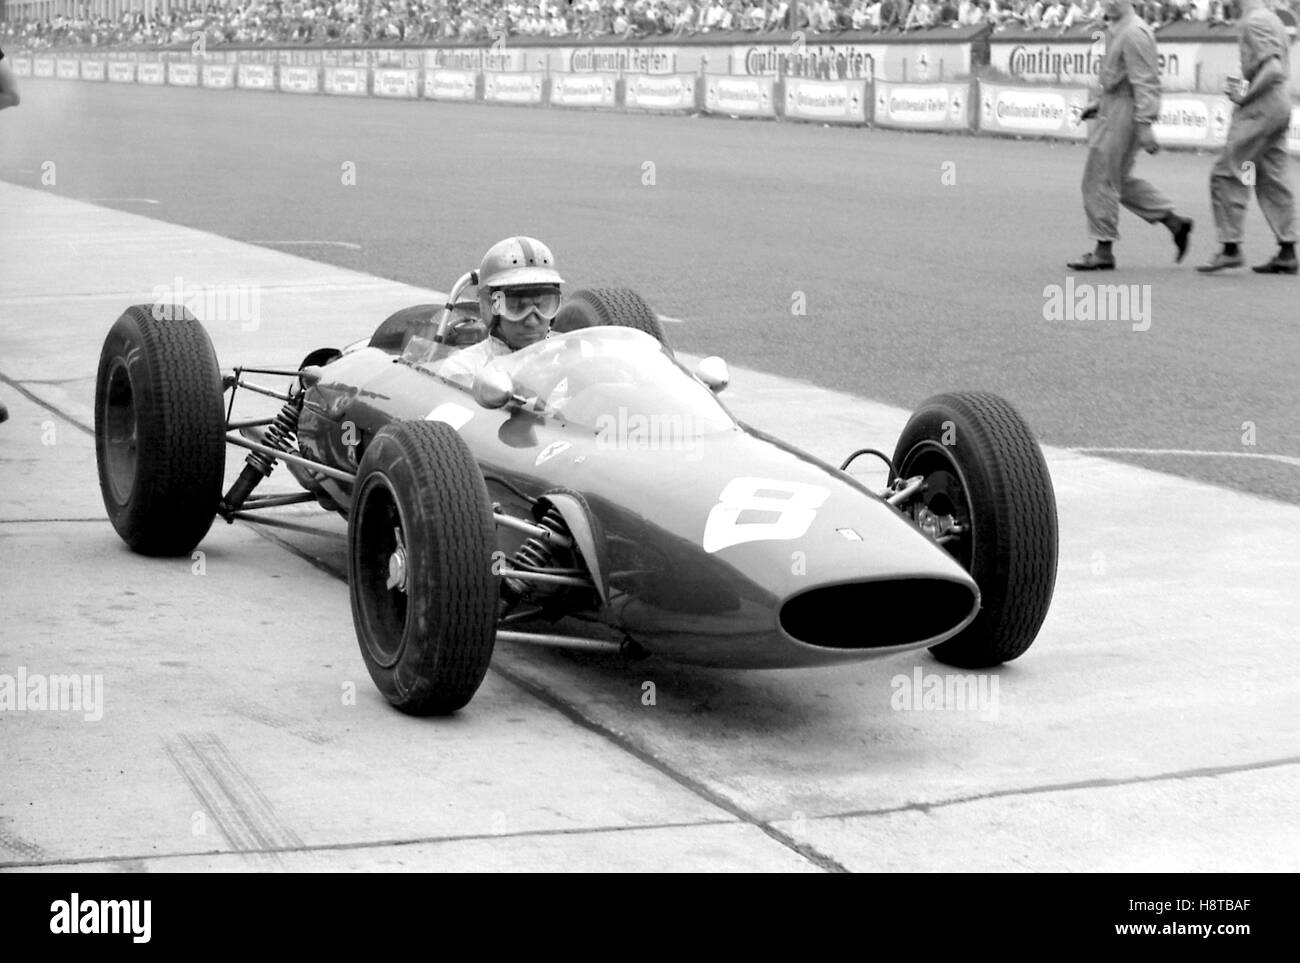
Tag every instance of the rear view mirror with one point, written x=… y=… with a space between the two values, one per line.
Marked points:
x=493 y=388
x=713 y=372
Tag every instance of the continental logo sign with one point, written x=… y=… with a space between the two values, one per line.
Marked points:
x=508 y=58
x=907 y=105
x=674 y=92
x=826 y=100
x=1195 y=119
x=820 y=62
x=1032 y=110
x=832 y=100
x=941 y=106
x=1047 y=62
x=751 y=96
x=637 y=60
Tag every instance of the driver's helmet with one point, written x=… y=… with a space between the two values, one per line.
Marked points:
x=516 y=278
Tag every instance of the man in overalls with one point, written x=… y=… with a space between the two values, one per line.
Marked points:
x=1128 y=104
x=1256 y=147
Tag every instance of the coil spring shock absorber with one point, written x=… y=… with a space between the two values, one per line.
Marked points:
x=281 y=434
x=537 y=553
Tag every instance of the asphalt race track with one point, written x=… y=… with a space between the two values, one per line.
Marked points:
x=1155 y=725
x=911 y=286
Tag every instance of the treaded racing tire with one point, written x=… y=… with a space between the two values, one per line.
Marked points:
x=623 y=307
x=427 y=638
x=160 y=429
x=1011 y=550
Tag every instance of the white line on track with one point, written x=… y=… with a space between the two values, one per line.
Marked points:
x=667 y=320
x=83 y=236
x=347 y=244
x=1282 y=459
x=378 y=284
x=119 y=200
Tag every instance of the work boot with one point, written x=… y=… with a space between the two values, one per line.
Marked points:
x=1092 y=262
x=1181 y=229
x=1283 y=262
x=1221 y=262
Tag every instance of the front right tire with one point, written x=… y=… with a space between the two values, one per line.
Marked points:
x=621 y=307
x=160 y=429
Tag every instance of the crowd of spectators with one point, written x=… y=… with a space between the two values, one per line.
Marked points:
x=414 y=21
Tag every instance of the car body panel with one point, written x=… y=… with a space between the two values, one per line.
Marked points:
x=704 y=539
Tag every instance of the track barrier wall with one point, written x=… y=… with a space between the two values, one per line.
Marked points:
x=740 y=96
x=662 y=92
x=1188 y=118
x=584 y=90
x=346 y=81
x=827 y=101
x=922 y=106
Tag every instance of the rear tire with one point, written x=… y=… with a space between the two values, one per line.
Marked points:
x=160 y=429
x=420 y=547
x=983 y=465
x=622 y=307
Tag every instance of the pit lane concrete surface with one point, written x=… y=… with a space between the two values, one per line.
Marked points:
x=1155 y=725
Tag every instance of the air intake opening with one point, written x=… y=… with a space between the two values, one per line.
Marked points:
x=877 y=614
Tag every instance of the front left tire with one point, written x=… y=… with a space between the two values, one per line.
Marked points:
x=420 y=546
x=984 y=469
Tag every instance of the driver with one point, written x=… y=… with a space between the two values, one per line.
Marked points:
x=519 y=297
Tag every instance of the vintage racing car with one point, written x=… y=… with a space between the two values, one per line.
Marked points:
x=588 y=490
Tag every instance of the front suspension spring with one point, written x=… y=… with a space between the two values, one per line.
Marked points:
x=536 y=553
x=282 y=435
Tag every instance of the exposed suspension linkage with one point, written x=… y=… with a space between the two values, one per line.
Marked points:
x=903 y=490
x=532 y=573
x=902 y=494
x=539 y=548
x=532 y=583
x=941 y=528
x=281 y=435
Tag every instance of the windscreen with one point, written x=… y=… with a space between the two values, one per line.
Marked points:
x=614 y=378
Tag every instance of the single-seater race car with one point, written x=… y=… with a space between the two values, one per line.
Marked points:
x=588 y=490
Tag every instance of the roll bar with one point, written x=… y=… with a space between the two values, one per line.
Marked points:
x=464 y=281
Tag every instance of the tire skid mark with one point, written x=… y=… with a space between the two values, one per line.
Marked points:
x=18 y=387
x=240 y=809
x=11 y=842
x=256 y=712
x=626 y=744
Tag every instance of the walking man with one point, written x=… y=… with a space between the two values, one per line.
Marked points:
x=1256 y=147
x=1126 y=107
x=8 y=87
x=8 y=98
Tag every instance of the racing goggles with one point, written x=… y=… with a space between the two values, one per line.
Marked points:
x=518 y=304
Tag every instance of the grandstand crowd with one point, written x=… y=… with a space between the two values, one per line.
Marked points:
x=415 y=21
